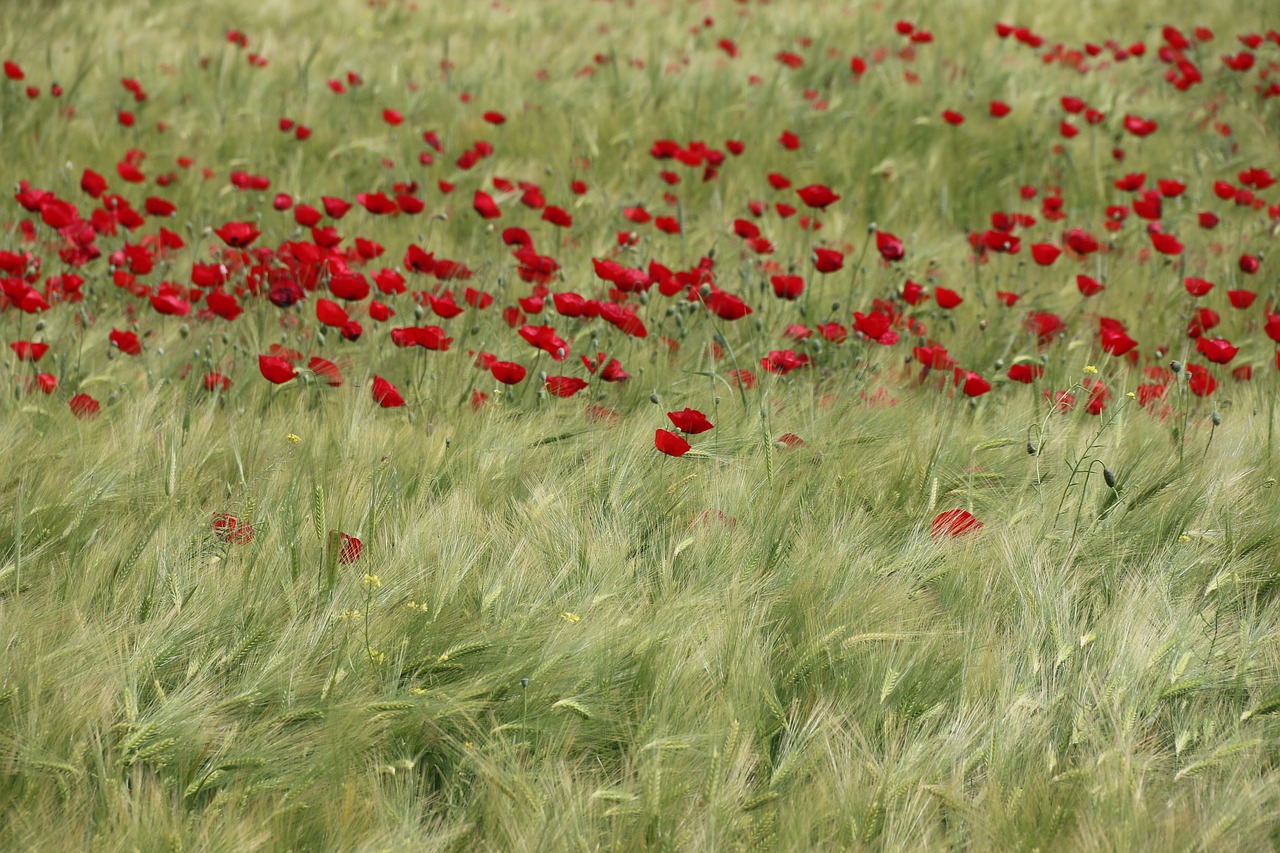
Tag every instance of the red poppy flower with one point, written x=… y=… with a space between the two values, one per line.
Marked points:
x=275 y=369
x=1218 y=350
x=1198 y=286
x=889 y=246
x=230 y=529
x=827 y=260
x=1088 y=286
x=84 y=407
x=787 y=286
x=726 y=306
x=1241 y=298
x=126 y=342
x=1200 y=381
x=486 y=206
x=1166 y=244
x=1045 y=253
x=670 y=443
x=216 y=382
x=238 y=235
x=565 y=386
x=690 y=421
x=946 y=297
x=28 y=351
x=348 y=547
x=999 y=109
x=1139 y=126
x=974 y=385
x=385 y=394
x=331 y=313
x=817 y=196
x=508 y=372
x=953 y=118
x=1025 y=373
x=48 y=382
x=953 y=522
x=557 y=216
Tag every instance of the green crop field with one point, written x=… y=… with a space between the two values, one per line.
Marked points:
x=649 y=425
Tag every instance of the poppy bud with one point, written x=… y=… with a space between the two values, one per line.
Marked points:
x=524 y=682
x=1175 y=366
x=653 y=398
x=1109 y=477
x=1217 y=419
x=1031 y=449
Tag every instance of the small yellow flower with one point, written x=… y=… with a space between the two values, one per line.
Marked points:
x=571 y=618
x=1090 y=369
x=293 y=438
x=373 y=581
x=376 y=656
x=1184 y=538
x=1132 y=396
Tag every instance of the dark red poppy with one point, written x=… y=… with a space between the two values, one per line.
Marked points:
x=565 y=386
x=216 y=382
x=889 y=246
x=84 y=407
x=1198 y=286
x=557 y=216
x=126 y=342
x=385 y=394
x=670 y=443
x=827 y=260
x=1025 y=372
x=331 y=313
x=947 y=298
x=1045 y=253
x=508 y=372
x=817 y=196
x=1166 y=244
x=486 y=206
x=690 y=421
x=28 y=351
x=974 y=385
x=1218 y=350
x=1241 y=298
x=275 y=369
x=1200 y=381
x=349 y=548
x=238 y=235
x=787 y=287
x=1088 y=286
x=953 y=522
x=231 y=530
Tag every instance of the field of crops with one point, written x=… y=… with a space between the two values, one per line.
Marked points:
x=663 y=425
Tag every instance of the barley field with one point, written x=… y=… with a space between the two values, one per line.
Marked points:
x=651 y=425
